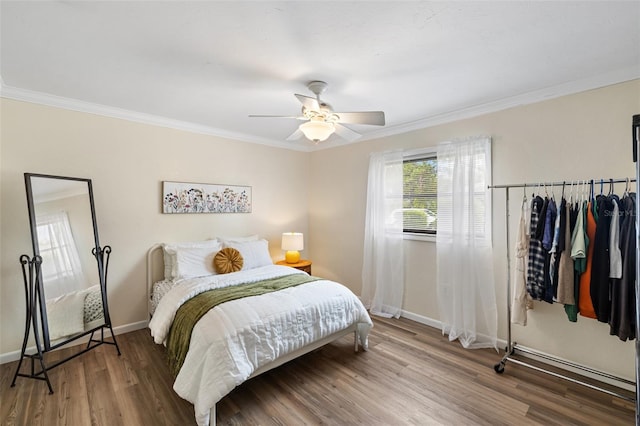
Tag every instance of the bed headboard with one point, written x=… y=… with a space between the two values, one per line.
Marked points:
x=155 y=270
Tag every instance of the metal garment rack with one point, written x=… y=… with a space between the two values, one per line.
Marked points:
x=512 y=346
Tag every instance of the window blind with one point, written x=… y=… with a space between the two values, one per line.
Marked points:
x=420 y=195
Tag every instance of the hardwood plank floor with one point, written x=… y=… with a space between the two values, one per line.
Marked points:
x=411 y=375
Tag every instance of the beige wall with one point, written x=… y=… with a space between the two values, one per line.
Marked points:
x=587 y=135
x=127 y=162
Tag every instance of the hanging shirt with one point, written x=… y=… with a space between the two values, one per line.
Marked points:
x=600 y=281
x=537 y=254
x=584 y=302
x=572 y=310
x=556 y=228
x=527 y=217
x=521 y=300
x=566 y=286
x=549 y=225
x=538 y=230
x=615 y=256
x=623 y=300
x=580 y=240
x=547 y=243
x=556 y=249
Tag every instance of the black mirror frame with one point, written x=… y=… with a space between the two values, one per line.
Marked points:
x=35 y=296
x=36 y=252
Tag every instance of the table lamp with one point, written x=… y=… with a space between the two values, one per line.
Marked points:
x=291 y=243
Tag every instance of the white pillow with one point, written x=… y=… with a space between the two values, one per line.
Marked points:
x=254 y=253
x=196 y=261
x=238 y=239
x=170 y=252
x=65 y=314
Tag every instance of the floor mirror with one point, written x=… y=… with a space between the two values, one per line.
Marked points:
x=66 y=278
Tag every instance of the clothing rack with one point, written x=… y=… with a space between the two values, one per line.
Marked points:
x=512 y=346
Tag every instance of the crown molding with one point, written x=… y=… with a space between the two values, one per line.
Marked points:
x=547 y=93
x=47 y=99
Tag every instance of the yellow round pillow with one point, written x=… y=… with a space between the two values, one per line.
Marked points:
x=227 y=260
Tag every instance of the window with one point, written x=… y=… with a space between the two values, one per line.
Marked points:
x=420 y=194
x=61 y=267
x=55 y=250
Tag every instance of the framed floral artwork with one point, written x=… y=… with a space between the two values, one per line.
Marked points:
x=183 y=197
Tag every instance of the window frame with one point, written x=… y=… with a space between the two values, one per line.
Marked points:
x=413 y=155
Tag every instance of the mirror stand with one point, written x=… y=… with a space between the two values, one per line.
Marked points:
x=31 y=273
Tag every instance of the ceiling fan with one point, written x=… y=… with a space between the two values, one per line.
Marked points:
x=321 y=121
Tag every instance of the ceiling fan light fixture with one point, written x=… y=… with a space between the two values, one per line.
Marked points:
x=317 y=130
x=322 y=121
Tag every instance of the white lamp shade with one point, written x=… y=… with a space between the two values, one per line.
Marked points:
x=317 y=130
x=292 y=241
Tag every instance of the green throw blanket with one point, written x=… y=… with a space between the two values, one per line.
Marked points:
x=192 y=310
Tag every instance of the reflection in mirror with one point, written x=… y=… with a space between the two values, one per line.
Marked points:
x=65 y=239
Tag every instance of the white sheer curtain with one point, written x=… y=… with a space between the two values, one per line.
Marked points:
x=383 y=266
x=466 y=288
x=61 y=267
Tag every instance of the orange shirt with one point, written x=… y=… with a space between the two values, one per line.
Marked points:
x=585 y=304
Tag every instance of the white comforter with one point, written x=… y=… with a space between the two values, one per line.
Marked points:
x=235 y=338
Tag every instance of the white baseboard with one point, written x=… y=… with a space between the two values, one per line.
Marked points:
x=422 y=319
x=503 y=344
x=127 y=328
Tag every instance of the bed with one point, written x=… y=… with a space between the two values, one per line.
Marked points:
x=241 y=320
x=74 y=312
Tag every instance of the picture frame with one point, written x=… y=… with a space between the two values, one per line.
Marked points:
x=187 y=197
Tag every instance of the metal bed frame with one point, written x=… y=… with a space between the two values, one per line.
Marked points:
x=512 y=347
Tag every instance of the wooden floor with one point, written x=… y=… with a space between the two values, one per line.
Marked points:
x=410 y=376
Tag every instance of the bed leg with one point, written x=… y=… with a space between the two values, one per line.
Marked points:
x=355 y=341
x=212 y=416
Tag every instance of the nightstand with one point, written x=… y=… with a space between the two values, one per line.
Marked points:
x=303 y=265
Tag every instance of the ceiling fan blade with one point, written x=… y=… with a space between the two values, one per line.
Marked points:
x=297 y=117
x=346 y=133
x=309 y=103
x=295 y=135
x=375 y=118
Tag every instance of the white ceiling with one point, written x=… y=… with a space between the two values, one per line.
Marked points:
x=205 y=66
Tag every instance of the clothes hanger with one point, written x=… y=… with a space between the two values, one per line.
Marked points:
x=611 y=189
x=588 y=184
x=578 y=191
x=626 y=189
x=571 y=193
x=601 y=185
